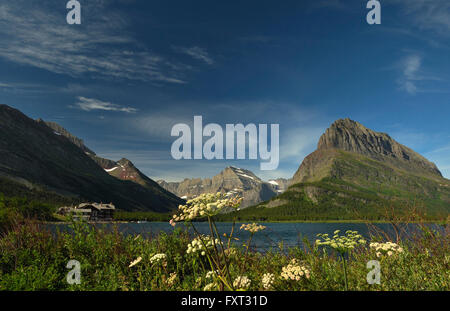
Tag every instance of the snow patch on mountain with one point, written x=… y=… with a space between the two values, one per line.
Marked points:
x=111 y=169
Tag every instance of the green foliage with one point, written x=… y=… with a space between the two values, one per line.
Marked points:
x=34 y=259
x=12 y=189
x=340 y=200
x=16 y=209
x=358 y=188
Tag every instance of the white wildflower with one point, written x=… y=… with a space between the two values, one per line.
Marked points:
x=242 y=282
x=253 y=228
x=295 y=272
x=267 y=281
x=158 y=258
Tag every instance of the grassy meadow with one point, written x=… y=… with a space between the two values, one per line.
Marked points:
x=33 y=258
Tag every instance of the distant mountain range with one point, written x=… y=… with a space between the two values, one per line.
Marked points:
x=45 y=157
x=355 y=173
x=233 y=181
x=359 y=172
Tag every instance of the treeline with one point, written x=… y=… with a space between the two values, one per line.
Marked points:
x=11 y=189
x=15 y=209
x=338 y=201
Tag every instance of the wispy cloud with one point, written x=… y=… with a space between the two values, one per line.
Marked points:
x=410 y=67
x=430 y=14
x=14 y=87
x=37 y=35
x=88 y=104
x=196 y=53
x=413 y=76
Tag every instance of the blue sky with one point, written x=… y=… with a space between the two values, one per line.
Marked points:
x=133 y=69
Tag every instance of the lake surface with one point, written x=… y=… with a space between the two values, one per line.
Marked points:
x=289 y=234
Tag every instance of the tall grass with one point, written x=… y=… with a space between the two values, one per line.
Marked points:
x=32 y=258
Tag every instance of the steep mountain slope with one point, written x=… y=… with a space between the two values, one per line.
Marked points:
x=37 y=156
x=359 y=173
x=351 y=136
x=123 y=169
x=232 y=180
x=59 y=130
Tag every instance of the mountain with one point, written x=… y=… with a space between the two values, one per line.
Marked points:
x=59 y=130
x=350 y=136
x=39 y=157
x=232 y=180
x=123 y=169
x=280 y=184
x=358 y=173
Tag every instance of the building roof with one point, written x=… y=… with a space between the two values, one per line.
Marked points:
x=99 y=206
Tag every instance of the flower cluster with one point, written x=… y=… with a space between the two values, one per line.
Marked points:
x=210 y=287
x=198 y=245
x=342 y=243
x=158 y=258
x=242 y=282
x=210 y=274
x=253 y=228
x=267 y=281
x=294 y=271
x=205 y=205
x=387 y=248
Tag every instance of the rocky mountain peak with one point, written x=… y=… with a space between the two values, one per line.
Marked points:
x=125 y=162
x=349 y=135
x=243 y=175
x=231 y=181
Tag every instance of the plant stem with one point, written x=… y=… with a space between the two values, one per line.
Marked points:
x=345 y=272
x=223 y=253
x=232 y=231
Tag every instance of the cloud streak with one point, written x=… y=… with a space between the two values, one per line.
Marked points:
x=196 y=53
x=413 y=76
x=410 y=67
x=37 y=35
x=431 y=15
x=89 y=104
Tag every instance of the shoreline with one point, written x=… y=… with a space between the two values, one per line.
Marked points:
x=356 y=221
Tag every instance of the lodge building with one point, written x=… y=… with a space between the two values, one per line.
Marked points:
x=89 y=211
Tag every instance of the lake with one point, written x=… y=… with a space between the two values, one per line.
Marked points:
x=289 y=234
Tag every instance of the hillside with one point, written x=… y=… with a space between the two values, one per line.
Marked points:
x=357 y=173
x=41 y=159
x=123 y=169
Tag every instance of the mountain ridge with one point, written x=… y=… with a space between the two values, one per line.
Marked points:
x=34 y=155
x=357 y=171
x=231 y=180
x=123 y=169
